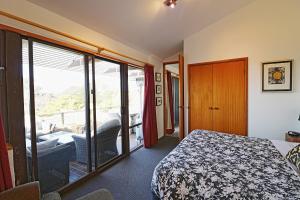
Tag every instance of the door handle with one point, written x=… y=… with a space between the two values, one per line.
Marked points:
x=2 y=69
x=216 y=108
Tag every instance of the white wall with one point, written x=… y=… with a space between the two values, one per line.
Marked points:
x=27 y=10
x=159 y=109
x=30 y=11
x=265 y=30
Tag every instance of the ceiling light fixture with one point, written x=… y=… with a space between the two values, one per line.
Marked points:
x=170 y=3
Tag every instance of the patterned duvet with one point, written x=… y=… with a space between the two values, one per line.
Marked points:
x=212 y=165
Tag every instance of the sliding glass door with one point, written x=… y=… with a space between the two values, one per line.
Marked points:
x=72 y=113
x=55 y=114
x=107 y=140
x=136 y=103
x=81 y=113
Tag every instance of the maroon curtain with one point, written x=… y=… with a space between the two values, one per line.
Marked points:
x=149 y=115
x=5 y=175
x=170 y=92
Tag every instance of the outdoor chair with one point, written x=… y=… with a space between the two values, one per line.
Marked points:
x=53 y=167
x=106 y=143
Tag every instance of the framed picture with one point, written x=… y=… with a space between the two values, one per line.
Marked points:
x=277 y=76
x=157 y=77
x=158 y=89
x=158 y=101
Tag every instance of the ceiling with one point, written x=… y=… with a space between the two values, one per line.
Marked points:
x=146 y=25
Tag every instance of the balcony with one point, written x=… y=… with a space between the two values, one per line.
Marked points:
x=64 y=159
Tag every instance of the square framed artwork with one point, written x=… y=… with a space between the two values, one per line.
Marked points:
x=158 y=77
x=158 y=89
x=158 y=101
x=277 y=76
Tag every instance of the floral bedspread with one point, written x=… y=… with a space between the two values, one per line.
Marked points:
x=212 y=165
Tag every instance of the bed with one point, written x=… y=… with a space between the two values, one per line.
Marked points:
x=213 y=165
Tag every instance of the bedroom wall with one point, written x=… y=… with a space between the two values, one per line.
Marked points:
x=159 y=109
x=265 y=30
x=30 y=11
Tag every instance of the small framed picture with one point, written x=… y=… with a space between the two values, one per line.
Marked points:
x=158 y=101
x=158 y=89
x=158 y=77
x=277 y=76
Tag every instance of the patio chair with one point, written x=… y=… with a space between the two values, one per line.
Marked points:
x=106 y=143
x=53 y=167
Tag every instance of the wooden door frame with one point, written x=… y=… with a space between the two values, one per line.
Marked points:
x=14 y=106
x=3 y=92
x=245 y=59
x=181 y=97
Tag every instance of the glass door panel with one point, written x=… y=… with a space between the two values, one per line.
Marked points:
x=26 y=89
x=107 y=93
x=136 y=102
x=59 y=105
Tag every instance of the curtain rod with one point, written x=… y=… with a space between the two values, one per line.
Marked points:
x=99 y=48
x=68 y=45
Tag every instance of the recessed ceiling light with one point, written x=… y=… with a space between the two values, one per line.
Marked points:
x=170 y=3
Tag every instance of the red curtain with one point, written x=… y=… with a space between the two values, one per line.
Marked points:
x=5 y=175
x=170 y=92
x=149 y=115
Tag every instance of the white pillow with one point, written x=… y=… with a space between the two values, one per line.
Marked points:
x=42 y=146
x=284 y=147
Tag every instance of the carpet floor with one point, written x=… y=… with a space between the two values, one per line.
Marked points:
x=129 y=179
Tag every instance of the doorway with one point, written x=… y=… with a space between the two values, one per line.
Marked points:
x=175 y=83
x=171 y=98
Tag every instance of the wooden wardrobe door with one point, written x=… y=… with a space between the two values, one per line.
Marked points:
x=230 y=97
x=200 y=97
